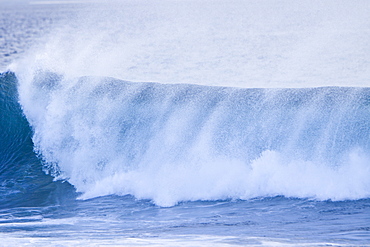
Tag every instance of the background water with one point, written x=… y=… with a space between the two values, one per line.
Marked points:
x=184 y=123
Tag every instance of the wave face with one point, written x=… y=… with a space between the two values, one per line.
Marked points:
x=23 y=182
x=179 y=142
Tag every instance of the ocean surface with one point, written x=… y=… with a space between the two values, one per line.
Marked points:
x=184 y=123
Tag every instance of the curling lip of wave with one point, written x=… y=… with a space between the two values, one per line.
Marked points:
x=22 y=181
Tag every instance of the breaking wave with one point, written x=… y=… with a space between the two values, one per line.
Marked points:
x=179 y=142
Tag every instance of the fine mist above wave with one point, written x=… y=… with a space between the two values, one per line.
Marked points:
x=180 y=142
x=253 y=43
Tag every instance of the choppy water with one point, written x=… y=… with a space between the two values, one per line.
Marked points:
x=216 y=150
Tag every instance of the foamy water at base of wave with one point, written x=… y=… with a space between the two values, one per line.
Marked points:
x=124 y=221
x=185 y=241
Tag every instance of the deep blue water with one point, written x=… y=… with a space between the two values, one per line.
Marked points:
x=95 y=160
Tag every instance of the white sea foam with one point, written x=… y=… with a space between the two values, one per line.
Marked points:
x=184 y=241
x=267 y=176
